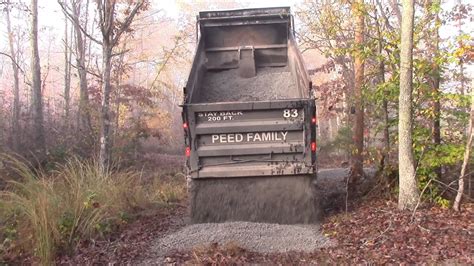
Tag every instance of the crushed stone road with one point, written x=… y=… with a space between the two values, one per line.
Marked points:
x=257 y=237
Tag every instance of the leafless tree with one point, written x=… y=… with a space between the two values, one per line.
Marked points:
x=467 y=155
x=67 y=71
x=37 y=97
x=74 y=13
x=16 y=84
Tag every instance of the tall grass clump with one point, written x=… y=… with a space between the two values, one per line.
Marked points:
x=168 y=192
x=76 y=201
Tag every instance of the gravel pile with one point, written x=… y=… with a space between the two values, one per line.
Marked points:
x=258 y=237
x=270 y=83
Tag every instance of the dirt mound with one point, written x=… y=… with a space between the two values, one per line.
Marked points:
x=270 y=83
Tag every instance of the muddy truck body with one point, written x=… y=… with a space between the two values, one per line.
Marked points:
x=249 y=120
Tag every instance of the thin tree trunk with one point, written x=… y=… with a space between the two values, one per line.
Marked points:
x=118 y=91
x=435 y=77
x=436 y=92
x=381 y=80
x=67 y=73
x=105 y=111
x=84 y=108
x=16 y=85
x=467 y=156
x=37 y=103
x=357 y=170
x=106 y=10
x=408 y=190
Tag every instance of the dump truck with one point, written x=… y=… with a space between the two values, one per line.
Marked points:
x=249 y=119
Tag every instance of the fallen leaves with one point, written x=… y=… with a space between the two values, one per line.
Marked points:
x=435 y=235
x=130 y=243
x=375 y=232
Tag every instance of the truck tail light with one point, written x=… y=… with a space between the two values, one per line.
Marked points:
x=314 y=120
x=185 y=125
x=313 y=146
x=188 y=152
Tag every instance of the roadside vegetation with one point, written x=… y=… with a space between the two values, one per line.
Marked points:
x=47 y=213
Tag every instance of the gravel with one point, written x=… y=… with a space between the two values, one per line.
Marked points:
x=258 y=237
x=277 y=199
x=270 y=83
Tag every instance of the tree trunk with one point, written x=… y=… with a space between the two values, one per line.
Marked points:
x=105 y=111
x=381 y=80
x=67 y=73
x=107 y=12
x=467 y=156
x=118 y=82
x=84 y=109
x=408 y=189
x=16 y=85
x=37 y=100
x=436 y=77
x=357 y=170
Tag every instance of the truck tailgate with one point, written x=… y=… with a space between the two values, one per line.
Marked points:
x=250 y=138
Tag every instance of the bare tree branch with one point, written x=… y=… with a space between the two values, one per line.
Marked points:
x=74 y=19
x=396 y=9
x=13 y=60
x=384 y=15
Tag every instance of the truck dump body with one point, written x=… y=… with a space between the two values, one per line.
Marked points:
x=250 y=139
x=270 y=83
x=248 y=119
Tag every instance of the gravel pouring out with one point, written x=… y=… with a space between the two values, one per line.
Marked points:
x=274 y=199
x=257 y=237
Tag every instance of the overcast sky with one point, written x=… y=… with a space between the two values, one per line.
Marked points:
x=50 y=16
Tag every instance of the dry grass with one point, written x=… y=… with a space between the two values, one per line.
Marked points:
x=77 y=201
x=168 y=190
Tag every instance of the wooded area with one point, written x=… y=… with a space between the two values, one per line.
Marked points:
x=90 y=115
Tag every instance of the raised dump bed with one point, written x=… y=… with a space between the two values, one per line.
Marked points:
x=269 y=83
x=249 y=120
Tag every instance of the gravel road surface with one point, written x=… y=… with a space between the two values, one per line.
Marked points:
x=258 y=237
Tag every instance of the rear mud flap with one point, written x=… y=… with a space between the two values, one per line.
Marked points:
x=283 y=200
